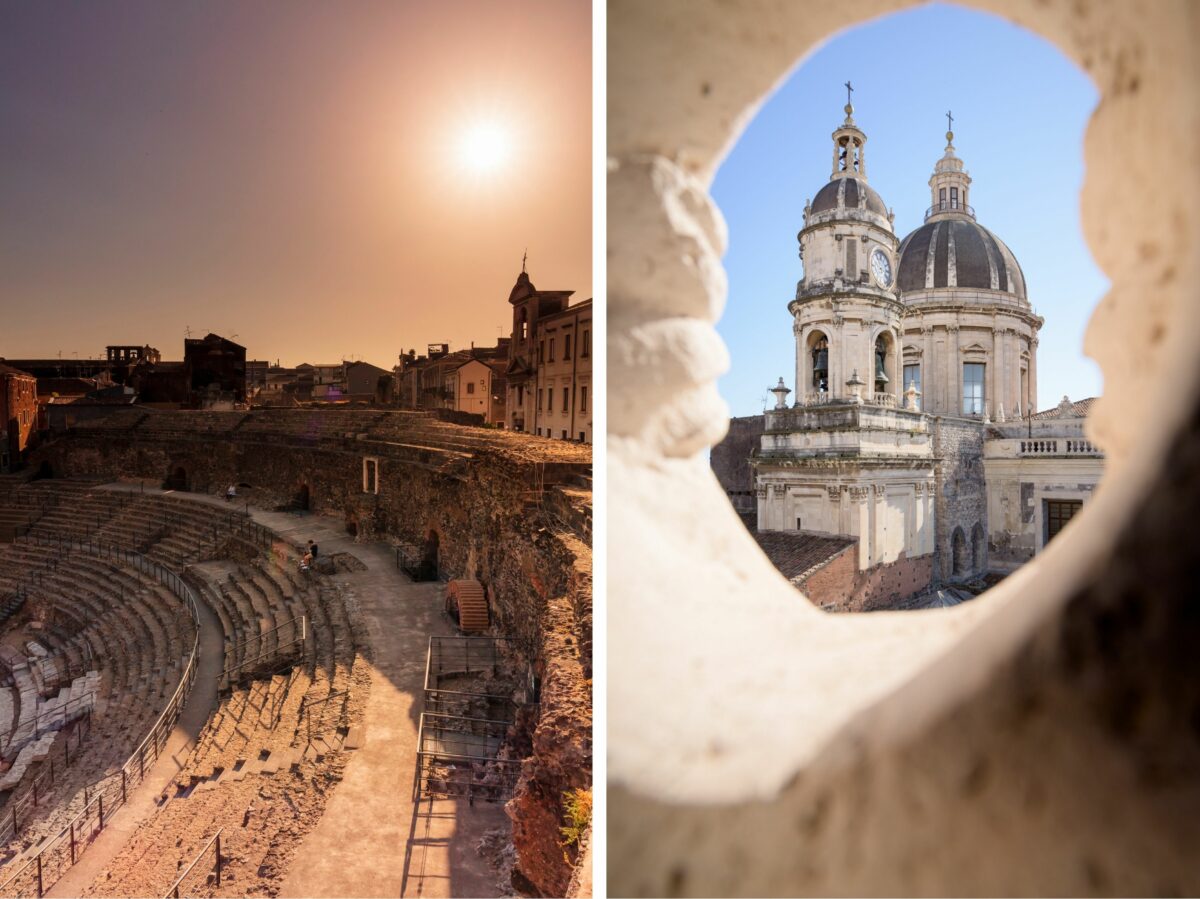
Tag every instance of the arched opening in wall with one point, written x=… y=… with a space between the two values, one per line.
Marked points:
x=978 y=549
x=898 y=288
x=177 y=479
x=958 y=554
x=818 y=357
x=351 y=525
x=429 y=556
x=885 y=368
x=302 y=499
x=649 y=806
x=45 y=470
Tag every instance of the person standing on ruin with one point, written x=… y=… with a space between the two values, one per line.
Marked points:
x=231 y=493
x=312 y=548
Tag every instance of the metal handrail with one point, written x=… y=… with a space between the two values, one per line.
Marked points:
x=173 y=892
x=950 y=206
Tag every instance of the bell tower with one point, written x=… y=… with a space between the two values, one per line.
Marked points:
x=849 y=145
x=846 y=313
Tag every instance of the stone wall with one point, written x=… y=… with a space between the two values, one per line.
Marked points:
x=961 y=499
x=730 y=461
x=498 y=516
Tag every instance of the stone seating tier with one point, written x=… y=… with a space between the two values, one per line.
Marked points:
x=138 y=634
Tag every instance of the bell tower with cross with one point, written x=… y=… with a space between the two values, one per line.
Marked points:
x=849 y=143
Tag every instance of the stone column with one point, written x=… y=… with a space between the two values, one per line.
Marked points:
x=954 y=372
x=1033 y=344
x=860 y=516
x=803 y=384
x=927 y=378
x=837 y=353
x=1014 y=355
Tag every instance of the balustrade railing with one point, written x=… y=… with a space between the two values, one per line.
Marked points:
x=1059 y=446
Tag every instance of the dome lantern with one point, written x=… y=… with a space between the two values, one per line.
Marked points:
x=950 y=184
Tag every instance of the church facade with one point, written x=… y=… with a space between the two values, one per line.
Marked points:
x=912 y=429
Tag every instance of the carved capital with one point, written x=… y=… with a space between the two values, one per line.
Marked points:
x=858 y=493
x=834 y=492
x=778 y=490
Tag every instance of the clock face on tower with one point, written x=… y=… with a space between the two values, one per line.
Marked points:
x=881 y=268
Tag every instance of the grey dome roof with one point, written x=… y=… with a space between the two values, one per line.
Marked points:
x=859 y=195
x=981 y=260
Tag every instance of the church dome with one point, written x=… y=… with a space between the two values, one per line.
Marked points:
x=957 y=252
x=857 y=195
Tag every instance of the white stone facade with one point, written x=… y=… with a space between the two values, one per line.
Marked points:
x=1027 y=467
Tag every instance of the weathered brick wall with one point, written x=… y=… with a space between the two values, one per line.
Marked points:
x=730 y=461
x=831 y=585
x=839 y=586
x=961 y=493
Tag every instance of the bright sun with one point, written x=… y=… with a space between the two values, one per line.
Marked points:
x=484 y=147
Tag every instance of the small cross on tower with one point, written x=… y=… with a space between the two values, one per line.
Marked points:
x=849 y=90
x=949 y=121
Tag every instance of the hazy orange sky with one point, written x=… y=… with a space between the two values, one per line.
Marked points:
x=287 y=172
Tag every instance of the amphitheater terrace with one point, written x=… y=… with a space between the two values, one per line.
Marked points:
x=186 y=704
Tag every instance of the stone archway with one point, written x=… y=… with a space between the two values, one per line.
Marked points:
x=945 y=720
x=959 y=562
x=430 y=569
x=978 y=549
x=303 y=499
x=177 y=479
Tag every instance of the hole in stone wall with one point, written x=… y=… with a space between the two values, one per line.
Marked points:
x=911 y=416
x=177 y=479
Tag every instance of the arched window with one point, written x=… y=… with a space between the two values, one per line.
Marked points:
x=977 y=548
x=820 y=364
x=523 y=325
x=958 y=553
x=881 y=378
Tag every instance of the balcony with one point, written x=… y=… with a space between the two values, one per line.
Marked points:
x=950 y=206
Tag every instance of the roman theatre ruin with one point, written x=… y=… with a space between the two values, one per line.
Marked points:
x=1042 y=739
x=193 y=704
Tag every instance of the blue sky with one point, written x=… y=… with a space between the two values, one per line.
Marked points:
x=1020 y=109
